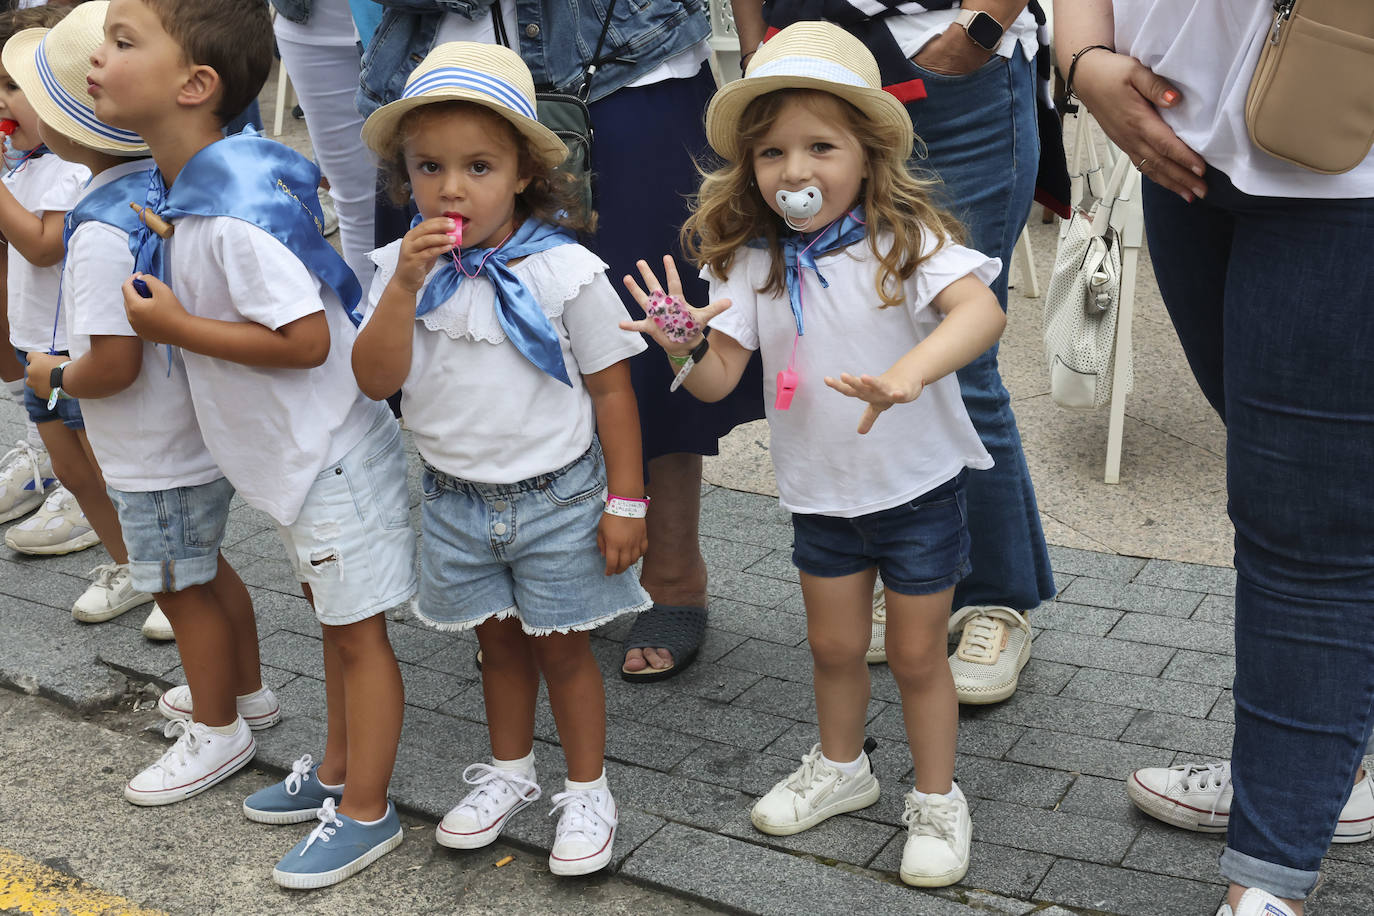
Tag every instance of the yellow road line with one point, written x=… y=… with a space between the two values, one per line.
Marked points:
x=33 y=889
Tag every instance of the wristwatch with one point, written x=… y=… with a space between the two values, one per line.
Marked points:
x=982 y=29
x=55 y=376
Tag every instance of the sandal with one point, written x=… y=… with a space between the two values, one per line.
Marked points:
x=677 y=628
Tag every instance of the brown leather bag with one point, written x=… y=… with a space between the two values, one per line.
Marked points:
x=1311 y=101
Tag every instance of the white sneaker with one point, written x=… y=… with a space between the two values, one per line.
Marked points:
x=937 y=844
x=157 y=627
x=259 y=709
x=199 y=759
x=110 y=595
x=994 y=647
x=811 y=794
x=1197 y=796
x=1255 y=902
x=877 y=643
x=58 y=527
x=479 y=818
x=583 y=840
x=25 y=476
x=330 y=211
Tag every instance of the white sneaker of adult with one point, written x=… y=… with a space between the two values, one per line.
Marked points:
x=111 y=594
x=585 y=836
x=479 y=818
x=58 y=527
x=938 y=835
x=259 y=709
x=994 y=647
x=198 y=759
x=25 y=476
x=877 y=642
x=157 y=627
x=813 y=792
x=1255 y=902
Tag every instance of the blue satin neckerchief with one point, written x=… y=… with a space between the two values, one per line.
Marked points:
x=520 y=315
x=259 y=181
x=800 y=251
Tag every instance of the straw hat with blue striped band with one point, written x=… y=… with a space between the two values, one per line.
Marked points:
x=466 y=71
x=809 y=55
x=50 y=65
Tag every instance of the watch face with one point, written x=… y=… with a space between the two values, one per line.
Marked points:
x=985 y=30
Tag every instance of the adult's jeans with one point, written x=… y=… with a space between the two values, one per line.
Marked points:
x=982 y=140
x=1271 y=300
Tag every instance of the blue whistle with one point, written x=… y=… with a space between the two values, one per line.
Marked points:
x=142 y=288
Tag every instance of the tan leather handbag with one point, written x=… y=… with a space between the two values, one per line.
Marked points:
x=1311 y=101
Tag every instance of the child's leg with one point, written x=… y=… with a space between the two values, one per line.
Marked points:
x=374 y=704
x=510 y=684
x=577 y=696
x=203 y=630
x=237 y=607
x=100 y=512
x=839 y=614
x=73 y=467
x=916 y=646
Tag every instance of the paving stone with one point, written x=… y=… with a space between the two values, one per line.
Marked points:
x=1075 y=618
x=429 y=689
x=1095 y=565
x=751 y=588
x=1057 y=833
x=126 y=650
x=276 y=611
x=1110 y=687
x=293 y=652
x=1215 y=580
x=272 y=574
x=655 y=748
x=45 y=652
x=739 y=876
x=1041 y=676
x=1101 y=652
x=777 y=564
x=265 y=544
x=789 y=663
x=752 y=773
x=1063 y=713
x=296 y=734
x=840 y=839
x=411 y=643
x=758 y=622
x=1000 y=780
x=1166 y=850
x=303 y=698
x=1194 y=737
x=981 y=737
x=1077 y=754
x=458 y=740
x=709 y=681
x=1126 y=891
x=1224 y=709
x=717 y=722
x=1106 y=799
x=1202 y=668
x=27 y=580
x=729 y=553
x=1000 y=869
x=1345 y=888
x=245 y=523
x=1146 y=599
x=1217 y=609
x=76 y=565
x=676 y=798
x=1198 y=635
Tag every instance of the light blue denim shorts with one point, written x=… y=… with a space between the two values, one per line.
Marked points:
x=352 y=542
x=173 y=536
x=525 y=550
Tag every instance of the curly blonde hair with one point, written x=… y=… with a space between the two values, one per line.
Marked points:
x=729 y=211
x=552 y=195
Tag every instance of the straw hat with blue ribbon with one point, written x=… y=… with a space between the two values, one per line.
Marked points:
x=465 y=71
x=50 y=65
x=809 y=55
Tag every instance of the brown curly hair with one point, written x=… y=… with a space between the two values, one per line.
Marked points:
x=38 y=17
x=552 y=195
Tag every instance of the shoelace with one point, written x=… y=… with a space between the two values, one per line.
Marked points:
x=981 y=634
x=104 y=574
x=23 y=449
x=328 y=826
x=56 y=501
x=492 y=783
x=582 y=818
x=1199 y=776
x=299 y=770
x=804 y=779
x=933 y=817
x=190 y=736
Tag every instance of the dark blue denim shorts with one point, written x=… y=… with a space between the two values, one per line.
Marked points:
x=920 y=547
x=68 y=410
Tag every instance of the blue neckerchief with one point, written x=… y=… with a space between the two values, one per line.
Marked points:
x=259 y=181
x=520 y=314
x=799 y=252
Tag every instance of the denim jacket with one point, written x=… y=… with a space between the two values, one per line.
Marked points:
x=642 y=35
x=295 y=10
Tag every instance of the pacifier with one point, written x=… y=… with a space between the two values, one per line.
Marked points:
x=8 y=126
x=455 y=234
x=799 y=207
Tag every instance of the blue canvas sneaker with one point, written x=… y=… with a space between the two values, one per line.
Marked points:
x=296 y=799
x=338 y=848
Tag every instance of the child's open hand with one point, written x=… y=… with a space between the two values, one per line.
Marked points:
x=621 y=541
x=668 y=337
x=157 y=318
x=880 y=393
x=40 y=370
x=420 y=248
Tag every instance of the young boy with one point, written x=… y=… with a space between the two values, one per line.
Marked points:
x=266 y=333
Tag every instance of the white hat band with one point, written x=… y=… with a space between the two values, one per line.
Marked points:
x=82 y=114
x=813 y=67
x=508 y=94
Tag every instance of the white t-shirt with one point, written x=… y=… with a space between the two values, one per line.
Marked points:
x=145 y=436
x=43 y=183
x=1208 y=49
x=271 y=430
x=478 y=408
x=914 y=31
x=823 y=466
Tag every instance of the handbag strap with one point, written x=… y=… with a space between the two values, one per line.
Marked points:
x=498 y=25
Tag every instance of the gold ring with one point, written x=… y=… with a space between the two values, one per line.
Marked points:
x=1141 y=166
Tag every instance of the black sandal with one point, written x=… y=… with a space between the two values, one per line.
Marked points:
x=677 y=628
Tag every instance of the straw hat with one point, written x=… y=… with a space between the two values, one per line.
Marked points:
x=809 y=55
x=467 y=71
x=50 y=65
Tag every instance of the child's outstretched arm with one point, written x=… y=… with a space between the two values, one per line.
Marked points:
x=622 y=540
x=721 y=368
x=973 y=321
x=382 y=352
x=37 y=238
x=111 y=365
x=160 y=318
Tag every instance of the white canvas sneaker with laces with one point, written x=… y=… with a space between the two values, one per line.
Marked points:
x=58 y=527
x=259 y=709
x=994 y=647
x=937 y=844
x=198 y=759
x=478 y=819
x=815 y=791
x=585 y=836
x=877 y=642
x=111 y=594
x=1255 y=902
x=25 y=476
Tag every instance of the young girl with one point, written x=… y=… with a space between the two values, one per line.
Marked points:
x=832 y=261
x=501 y=332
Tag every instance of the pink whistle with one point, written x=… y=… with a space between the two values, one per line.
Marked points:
x=671 y=315
x=456 y=233
x=8 y=126
x=787 y=386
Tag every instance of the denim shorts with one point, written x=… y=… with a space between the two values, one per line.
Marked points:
x=920 y=547
x=68 y=410
x=173 y=536
x=352 y=543
x=525 y=550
